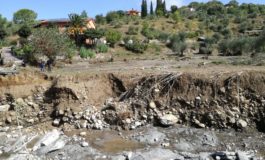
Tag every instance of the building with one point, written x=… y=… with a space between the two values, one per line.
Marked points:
x=63 y=24
x=133 y=12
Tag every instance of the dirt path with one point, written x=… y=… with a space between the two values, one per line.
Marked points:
x=196 y=65
x=8 y=57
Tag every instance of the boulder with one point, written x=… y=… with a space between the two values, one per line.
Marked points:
x=56 y=122
x=47 y=139
x=168 y=120
x=84 y=144
x=241 y=123
x=152 y=105
x=4 y=108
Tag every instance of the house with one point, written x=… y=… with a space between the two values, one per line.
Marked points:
x=133 y=12
x=63 y=24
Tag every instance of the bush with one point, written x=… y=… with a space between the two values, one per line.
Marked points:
x=150 y=33
x=17 y=52
x=178 y=44
x=51 y=43
x=133 y=30
x=100 y=19
x=136 y=46
x=237 y=46
x=3 y=33
x=113 y=37
x=102 y=48
x=114 y=15
x=24 y=31
x=163 y=37
x=192 y=34
x=85 y=53
x=205 y=50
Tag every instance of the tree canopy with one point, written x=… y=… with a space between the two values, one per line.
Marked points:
x=24 y=16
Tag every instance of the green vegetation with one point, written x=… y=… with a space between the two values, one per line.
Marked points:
x=24 y=31
x=50 y=43
x=230 y=29
x=135 y=45
x=86 y=53
x=113 y=36
x=24 y=16
x=144 y=11
x=102 y=48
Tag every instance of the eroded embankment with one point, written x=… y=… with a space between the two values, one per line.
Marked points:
x=221 y=101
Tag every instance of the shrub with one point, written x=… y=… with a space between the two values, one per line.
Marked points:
x=102 y=48
x=94 y=33
x=205 y=50
x=178 y=44
x=113 y=16
x=24 y=31
x=17 y=52
x=237 y=46
x=136 y=46
x=100 y=19
x=163 y=37
x=113 y=37
x=3 y=33
x=133 y=30
x=51 y=43
x=85 y=53
x=150 y=32
x=192 y=34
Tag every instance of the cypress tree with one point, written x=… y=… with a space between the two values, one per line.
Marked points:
x=151 y=9
x=159 y=8
x=164 y=7
x=144 y=9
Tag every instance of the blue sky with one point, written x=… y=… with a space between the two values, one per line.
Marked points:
x=47 y=9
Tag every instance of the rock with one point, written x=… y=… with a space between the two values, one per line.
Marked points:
x=20 y=101
x=82 y=134
x=168 y=120
x=197 y=101
x=241 y=123
x=243 y=156
x=56 y=122
x=61 y=112
x=165 y=144
x=152 y=136
x=222 y=90
x=4 y=108
x=83 y=123
x=155 y=154
x=47 y=139
x=84 y=144
x=152 y=105
x=56 y=145
x=199 y=124
x=128 y=155
x=9 y=119
x=183 y=145
x=119 y=157
x=30 y=121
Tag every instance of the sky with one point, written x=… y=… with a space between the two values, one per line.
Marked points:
x=48 y=9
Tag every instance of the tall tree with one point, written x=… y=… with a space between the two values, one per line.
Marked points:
x=84 y=14
x=144 y=9
x=159 y=8
x=164 y=7
x=151 y=8
x=24 y=16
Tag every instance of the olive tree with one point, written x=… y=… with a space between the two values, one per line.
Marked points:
x=51 y=43
x=24 y=16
